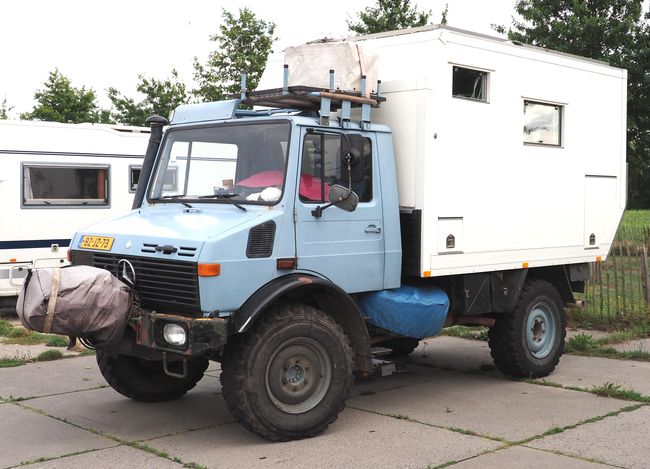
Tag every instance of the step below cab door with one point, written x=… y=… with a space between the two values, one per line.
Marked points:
x=347 y=247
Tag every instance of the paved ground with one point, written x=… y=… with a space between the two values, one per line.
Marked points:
x=449 y=407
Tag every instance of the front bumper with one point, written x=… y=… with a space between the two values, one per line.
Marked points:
x=204 y=335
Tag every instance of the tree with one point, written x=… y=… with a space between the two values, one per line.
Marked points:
x=4 y=109
x=59 y=101
x=160 y=97
x=243 y=45
x=445 y=12
x=614 y=31
x=388 y=15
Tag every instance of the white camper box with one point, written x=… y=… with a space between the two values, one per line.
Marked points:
x=54 y=179
x=512 y=156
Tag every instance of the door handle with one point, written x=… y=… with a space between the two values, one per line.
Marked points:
x=373 y=229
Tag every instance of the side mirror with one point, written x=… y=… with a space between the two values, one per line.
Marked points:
x=343 y=198
x=340 y=196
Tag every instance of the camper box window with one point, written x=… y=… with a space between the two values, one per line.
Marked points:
x=170 y=178
x=51 y=185
x=469 y=84
x=542 y=123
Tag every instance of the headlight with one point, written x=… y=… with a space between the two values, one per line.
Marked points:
x=174 y=334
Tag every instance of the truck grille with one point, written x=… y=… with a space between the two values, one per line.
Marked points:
x=165 y=285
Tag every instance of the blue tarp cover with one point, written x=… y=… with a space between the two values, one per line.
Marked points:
x=411 y=311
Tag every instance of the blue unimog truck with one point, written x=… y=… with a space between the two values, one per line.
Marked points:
x=281 y=247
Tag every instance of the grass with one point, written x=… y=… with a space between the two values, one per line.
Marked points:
x=49 y=355
x=20 y=336
x=10 y=362
x=467 y=332
x=633 y=223
x=586 y=346
x=617 y=392
x=5 y=327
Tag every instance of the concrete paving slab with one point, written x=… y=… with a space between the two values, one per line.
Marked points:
x=27 y=435
x=489 y=406
x=108 y=412
x=46 y=378
x=356 y=440
x=119 y=456
x=620 y=440
x=455 y=353
x=587 y=372
x=414 y=374
x=519 y=457
x=637 y=345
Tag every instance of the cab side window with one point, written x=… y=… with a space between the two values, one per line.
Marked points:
x=323 y=165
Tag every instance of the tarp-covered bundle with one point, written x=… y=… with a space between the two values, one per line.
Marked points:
x=310 y=64
x=78 y=301
x=410 y=311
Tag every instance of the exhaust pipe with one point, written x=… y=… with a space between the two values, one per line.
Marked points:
x=156 y=123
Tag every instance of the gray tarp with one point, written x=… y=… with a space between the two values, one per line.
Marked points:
x=78 y=301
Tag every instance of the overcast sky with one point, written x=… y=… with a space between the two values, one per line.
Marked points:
x=102 y=44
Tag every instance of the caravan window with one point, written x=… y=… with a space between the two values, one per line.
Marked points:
x=52 y=185
x=470 y=84
x=542 y=123
x=170 y=183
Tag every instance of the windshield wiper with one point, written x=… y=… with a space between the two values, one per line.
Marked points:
x=176 y=198
x=225 y=196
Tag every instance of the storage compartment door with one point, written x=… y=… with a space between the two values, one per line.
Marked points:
x=600 y=199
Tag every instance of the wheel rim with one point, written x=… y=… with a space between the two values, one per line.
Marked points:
x=298 y=375
x=541 y=330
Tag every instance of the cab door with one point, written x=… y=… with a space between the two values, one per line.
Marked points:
x=345 y=247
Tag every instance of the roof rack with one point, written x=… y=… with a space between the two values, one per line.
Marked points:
x=309 y=98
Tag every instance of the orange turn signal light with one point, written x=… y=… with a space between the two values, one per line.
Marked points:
x=524 y=265
x=599 y=258
x=209 y=270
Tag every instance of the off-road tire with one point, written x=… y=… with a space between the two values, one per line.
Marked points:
x=509 y=345
x=400 y=346
x=256 y=380
x=146 y=381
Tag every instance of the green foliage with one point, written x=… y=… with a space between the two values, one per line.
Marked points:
x=59 y=101
x=57 y=341
x=617 y=392
x=160 y=97
x=4 y=109
x=466 y=332
x=18 y=333
x=580 y=343
x=243 y=45
x=49 y=355
x=445 y=12
x=10 y=362
x=614 y=31
x=390 y=15
x=5 y=327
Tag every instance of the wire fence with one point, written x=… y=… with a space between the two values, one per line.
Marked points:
x=618 y=289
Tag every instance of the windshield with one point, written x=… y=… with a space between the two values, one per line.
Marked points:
x=244 y=163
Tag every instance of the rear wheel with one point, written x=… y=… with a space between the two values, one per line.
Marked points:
x=145 y=380
x=530 y=342
x=289 y=376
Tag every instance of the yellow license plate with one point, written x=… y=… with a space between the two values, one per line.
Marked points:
x=101 y=243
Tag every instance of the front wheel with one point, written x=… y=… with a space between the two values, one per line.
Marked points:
x=145 y=380
x=288 y=377
x=529 y=342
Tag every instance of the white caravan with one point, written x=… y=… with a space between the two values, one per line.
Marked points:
x=54 y=179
